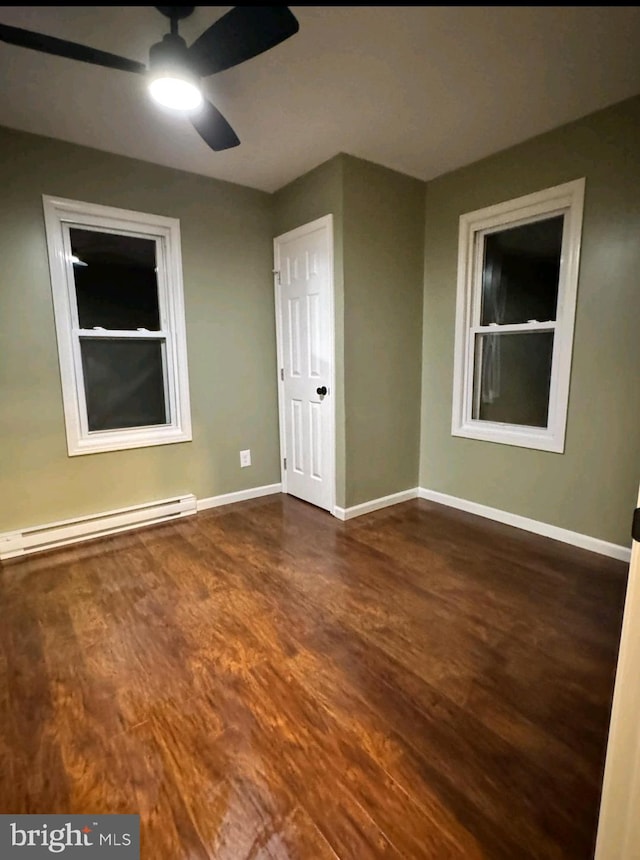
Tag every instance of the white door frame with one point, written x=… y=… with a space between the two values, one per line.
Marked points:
x=619 y=825
x=326 y=222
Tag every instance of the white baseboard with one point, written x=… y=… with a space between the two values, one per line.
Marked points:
x=375 y=504
x=64 y=532
x=593 y=544
x=240 y=496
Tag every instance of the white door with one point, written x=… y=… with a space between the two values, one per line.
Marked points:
x=304 y=310
x=619 y=826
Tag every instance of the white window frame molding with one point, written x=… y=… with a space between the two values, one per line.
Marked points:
x=568 y=200
x=61 y=214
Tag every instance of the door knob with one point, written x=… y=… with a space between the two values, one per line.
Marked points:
x=322 y=390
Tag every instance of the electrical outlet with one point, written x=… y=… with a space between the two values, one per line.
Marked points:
x=245 y=458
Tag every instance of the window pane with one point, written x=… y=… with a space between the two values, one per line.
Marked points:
x=520 y=273
x=123 y=383
x=512 y=378
x=115 y=278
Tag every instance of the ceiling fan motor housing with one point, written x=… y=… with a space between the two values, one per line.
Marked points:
x=170 y=55
x=176 y=13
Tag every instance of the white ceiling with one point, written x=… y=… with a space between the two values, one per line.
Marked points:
x=421 y=89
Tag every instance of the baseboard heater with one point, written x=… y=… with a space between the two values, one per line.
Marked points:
x=52 y=535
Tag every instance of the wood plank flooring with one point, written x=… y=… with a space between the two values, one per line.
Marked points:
x=264 y=681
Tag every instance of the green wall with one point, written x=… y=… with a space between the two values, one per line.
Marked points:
x=592 y=487
x=319 y=192
x=383 y=282
x=227 y=262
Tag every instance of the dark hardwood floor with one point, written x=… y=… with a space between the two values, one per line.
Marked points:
x=264 y=681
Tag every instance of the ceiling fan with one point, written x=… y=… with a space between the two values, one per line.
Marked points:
x=175 y=70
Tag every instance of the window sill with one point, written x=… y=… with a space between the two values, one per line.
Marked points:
x=120 y=441
x=509 y=434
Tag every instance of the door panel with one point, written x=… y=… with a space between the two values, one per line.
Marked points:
x=315 y=441
x=314 y=329
x=303 y=260
x=297 y=440
x=294 y=337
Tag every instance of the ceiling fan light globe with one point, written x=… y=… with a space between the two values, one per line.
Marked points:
x=175 y=92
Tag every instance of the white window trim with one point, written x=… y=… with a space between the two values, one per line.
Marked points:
x=567 y=199
x=59 y=213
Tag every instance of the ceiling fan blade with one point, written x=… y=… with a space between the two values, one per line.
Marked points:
x=242 y=33
x=213 y=128
x=71 y=50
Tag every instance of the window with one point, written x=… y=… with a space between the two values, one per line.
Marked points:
x=517 y=283
x=116 y=278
